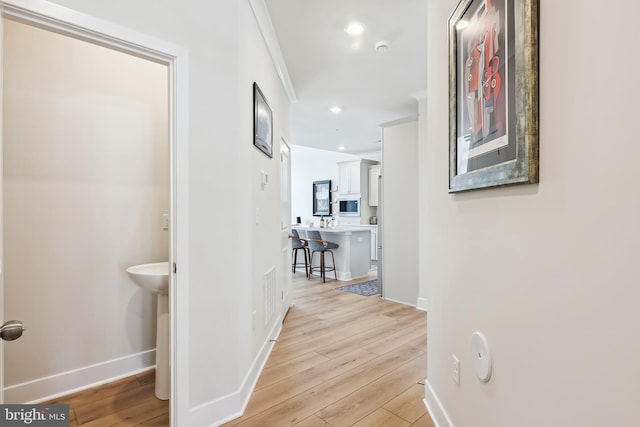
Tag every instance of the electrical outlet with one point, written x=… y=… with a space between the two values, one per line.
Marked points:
x=455 y=369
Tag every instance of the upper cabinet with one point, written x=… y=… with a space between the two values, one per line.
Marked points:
x=353 y=177
x=349 y=177
x=374 y=182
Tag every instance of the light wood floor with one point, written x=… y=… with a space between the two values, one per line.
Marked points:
x=127 y=402
x=341 y=360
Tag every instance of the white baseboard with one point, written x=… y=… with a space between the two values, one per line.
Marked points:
x=54 y=386
x=434 y=406
x=397 y=301
x=234 y=404
x=422 y=304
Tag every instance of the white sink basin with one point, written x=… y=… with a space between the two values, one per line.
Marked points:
x=152 y=277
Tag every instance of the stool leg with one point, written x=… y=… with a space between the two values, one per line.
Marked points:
x=306 y=265
x=310 y=265
x=322 y=265
x=295 y=261
x=335 y=272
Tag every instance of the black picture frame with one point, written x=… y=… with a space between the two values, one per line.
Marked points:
x=493 y=94
x=322 y=198
x=262 y=122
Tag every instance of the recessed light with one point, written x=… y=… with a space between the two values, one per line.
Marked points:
x=335 y=110
x=354 y=29
x=341 y=148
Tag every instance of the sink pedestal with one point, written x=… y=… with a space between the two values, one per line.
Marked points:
x=163 y=378
x=155 y=279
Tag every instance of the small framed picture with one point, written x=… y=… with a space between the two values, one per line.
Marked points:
x=262 y=122
x=322 y=198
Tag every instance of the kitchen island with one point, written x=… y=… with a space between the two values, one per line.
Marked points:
x=353 y=257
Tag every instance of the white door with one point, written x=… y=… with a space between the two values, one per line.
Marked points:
x=285 y=225
x=10 y=329
x=1 y=219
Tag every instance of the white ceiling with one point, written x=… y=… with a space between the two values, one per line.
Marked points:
x=328 y=67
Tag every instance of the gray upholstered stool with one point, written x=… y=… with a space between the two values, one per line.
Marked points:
x=297 y=244
x=316 y=244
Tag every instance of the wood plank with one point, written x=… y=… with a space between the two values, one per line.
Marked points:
x=277 y=372
x=408 y=405
x=270 y=396
x=369 y=335
x=424 y=421
x=381 y=418
x=367 y=399
x=312 y=421
x=118 y=402
x=132 y=415
x=342 y=332
x=409 y=333
x=96 y=393
x=310 y=401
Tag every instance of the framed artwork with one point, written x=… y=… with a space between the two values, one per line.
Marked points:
x=262 y=122
x=493 y=94
x=322 y=198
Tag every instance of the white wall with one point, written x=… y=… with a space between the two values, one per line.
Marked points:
x=86 y=181
x=308 y=165
x=255 y=64
x=548 y=272
x=222 y=42
x=400 y=211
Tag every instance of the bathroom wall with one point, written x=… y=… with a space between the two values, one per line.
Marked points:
x=86 y=182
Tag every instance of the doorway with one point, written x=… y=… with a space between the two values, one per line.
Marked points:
x=285 y=225
x=100 y=34
x=86 y=186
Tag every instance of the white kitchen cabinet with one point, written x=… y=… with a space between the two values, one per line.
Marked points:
x=353 y=183
x=373 y=229
x=374 y=174
x=374 y=243
x=349 y=177
x=353 y=177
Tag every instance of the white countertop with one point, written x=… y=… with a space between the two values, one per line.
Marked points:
x=337 y=229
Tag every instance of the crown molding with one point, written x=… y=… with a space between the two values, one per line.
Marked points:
x=263 y=19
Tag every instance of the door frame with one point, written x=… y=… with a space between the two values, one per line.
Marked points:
x=285 y=230
x=52 y=17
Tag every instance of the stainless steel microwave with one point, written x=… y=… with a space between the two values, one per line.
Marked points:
x=349 y=207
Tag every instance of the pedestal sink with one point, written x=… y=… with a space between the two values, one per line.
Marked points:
x=155 y=279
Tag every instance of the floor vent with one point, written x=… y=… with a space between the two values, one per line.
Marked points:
x=269 y=295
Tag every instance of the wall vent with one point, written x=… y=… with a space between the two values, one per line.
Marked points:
x=269 y=295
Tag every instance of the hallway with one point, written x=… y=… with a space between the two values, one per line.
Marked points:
x=343 y=360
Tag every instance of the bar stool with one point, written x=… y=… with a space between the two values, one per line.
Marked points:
x=297 y=243
x=316 y=244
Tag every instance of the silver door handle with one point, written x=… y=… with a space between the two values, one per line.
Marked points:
x=11 y=330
